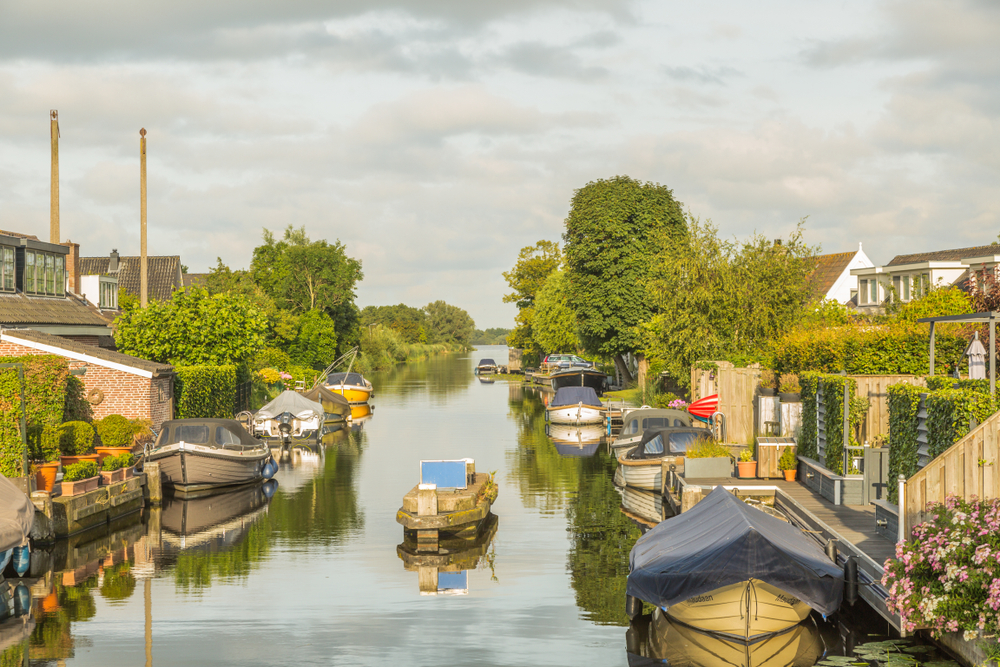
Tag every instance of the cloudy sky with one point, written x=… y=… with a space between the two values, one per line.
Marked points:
x=437 y=138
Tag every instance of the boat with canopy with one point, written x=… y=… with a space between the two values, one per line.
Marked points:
x=576 y=406
x=290 y=415
x=641 y=467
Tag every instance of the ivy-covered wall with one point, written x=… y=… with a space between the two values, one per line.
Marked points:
x=45 y=381
x=820 y=388
x=205 y=391
x=904 y=404
x=809 y=382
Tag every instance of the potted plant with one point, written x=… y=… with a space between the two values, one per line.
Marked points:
x=766 y=387
x=76 y=442
x=79 y=478
x=789 y=463
x=117 y=435
x=706 y=458
x=116 y=468
x=747 y=465
x=789 y=390
x=47 y=451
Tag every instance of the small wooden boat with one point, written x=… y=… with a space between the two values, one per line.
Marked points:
x=645 y=507
x=202 y=454
x=641 y=467
x=726 y=568
x=579 y=377
x=487 y=367
x=636 y=422
x=290 y=415
x=576 y=406
x=352 y=386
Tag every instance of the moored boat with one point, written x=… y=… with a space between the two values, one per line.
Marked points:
x=637 y=421
x=352 y=386
x=579 y=377
x=727 y=568
x=642 y=466
x=336 y=407
x=290 y=415
x=487 y=367
x=576 y=406
x=204 y=454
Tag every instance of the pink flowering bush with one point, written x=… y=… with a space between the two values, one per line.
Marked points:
x=947 y=576
x=678 y=404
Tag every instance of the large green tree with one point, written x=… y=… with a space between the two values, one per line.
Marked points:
x=316 y=343
x=448 y=324
x=410 y=323
x=554 y=325
x=614 y=231
x=534 y=265
x=193 y=328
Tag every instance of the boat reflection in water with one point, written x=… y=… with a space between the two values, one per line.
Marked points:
x=575 y=440
x=360 y=413
x=644 y=507
x=217 y=521
x=16 y=622
x=300 y=465
x=445 y=571
x=655 y=639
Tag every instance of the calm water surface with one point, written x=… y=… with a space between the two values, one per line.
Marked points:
x=314 y=576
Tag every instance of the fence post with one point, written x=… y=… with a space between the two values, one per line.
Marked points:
x=902 y=510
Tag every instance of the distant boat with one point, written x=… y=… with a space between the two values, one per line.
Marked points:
x=291 y=415
x=487 y=367
x=641 y=467
x=575 y=405
x=198 y=455
x=637 y=421
x=579 y=377
x=352 y=386
x=729 y=569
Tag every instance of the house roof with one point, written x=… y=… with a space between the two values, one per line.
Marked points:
x=956 y=255
x=23 y=310
x=83 y=352
x=164 y=273
x=828 y=269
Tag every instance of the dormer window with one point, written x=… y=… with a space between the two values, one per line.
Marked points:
x=44 y=273
x=7 y=275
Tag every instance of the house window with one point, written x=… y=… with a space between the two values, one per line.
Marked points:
x=60 y=275
x=8 y=284
x=863 y=299
x=896 y=286
x=873 y=297
x=906 y=288
x=925 y=284
x=29 y=272
x=50 y=274
x=109 y=296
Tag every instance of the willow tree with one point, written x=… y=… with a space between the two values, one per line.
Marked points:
x=614 y=232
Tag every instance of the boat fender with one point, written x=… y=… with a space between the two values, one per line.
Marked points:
x=633 y=606
x=4 y=559
x=270 y=468
x=22 y=559
x=22 y=600
x=831 y=550
x=851 y=580
x=269 y=487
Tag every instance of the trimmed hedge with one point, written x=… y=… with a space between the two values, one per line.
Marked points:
x=115 y=431
x=82 y=470
x=45 y=382
x=76 y=438
x=937 y=382
x=112 y=463
x=809 y=382
x=205 y=391
x=833 y=407
x=904 y=403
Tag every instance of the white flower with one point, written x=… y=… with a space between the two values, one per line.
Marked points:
x=970 y=635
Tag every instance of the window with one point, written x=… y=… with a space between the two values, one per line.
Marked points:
x=654 y=422
x=29 y=272
x=864 y=291
x=896 y=286
x=679 y=442
x=8 y=270
x=633 y=427
x=925 y=284
x=196 y=434
x=61 y=275
x=655 y=446
x=906 y=288
x=224 y=436
x=50 y=274
x=873 y=297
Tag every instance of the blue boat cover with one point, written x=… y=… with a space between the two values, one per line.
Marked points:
x=723 y=541
x=575 y=396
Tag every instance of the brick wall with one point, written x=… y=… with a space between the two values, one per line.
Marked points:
x=125 y=394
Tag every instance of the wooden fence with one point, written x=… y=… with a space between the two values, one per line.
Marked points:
x=736 y=388
x=875 y=387
x=970 y=467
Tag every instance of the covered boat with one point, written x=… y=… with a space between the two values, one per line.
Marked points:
x=337 y=407
x=727 y=568
x=352 y=386
x=16 y=516
x=579 y=377
x=575 y=405
x=290 y=415
x=487 y=367
x=642 y=466
x=638 y=421
x=197 y=455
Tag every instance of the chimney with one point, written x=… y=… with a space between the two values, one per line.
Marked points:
x=113 y=264
x=73 y=267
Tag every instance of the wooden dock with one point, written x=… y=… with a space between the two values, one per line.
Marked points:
x=853 y=528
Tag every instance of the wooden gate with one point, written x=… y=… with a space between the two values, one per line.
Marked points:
x=736 y=388
x=875 y=387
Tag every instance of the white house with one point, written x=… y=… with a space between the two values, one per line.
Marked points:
x=833 y=274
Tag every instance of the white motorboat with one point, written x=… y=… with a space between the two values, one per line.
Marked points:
x=575 y=406
x=636 y=422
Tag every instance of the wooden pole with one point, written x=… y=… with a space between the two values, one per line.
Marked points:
x=143 y=269
x=54 y=186
x=993 y=356
x=932 y=349
x=148 y=604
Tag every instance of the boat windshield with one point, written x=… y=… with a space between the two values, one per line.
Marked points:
x=224 y=436
x=655 y=446
x=196 y=434
x=679 y=442
x=354 y=379
x=631 y=427
x=661 y=422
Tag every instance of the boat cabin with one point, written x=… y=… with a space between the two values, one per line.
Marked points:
x=659 y=442
x=637 y=421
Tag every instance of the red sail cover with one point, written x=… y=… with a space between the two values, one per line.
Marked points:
x=704 y=407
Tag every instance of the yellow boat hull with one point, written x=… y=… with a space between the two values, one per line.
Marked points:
x=352 y=394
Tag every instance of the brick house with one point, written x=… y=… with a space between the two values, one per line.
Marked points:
x=114 y=383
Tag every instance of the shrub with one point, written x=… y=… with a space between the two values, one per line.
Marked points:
x=48 y=448
x=904 y=403
x=115 y=431
x=746 y=455
x=205 y=391
x=44 y=403
x=809 y=383
x=789 y=384
x=947 y=576
x=705 y=448
x=142 y=429
x=77 y=407
x=82 y=470
x=111 y=463
x=767 y=379
x=788 y=461
x=76 y=438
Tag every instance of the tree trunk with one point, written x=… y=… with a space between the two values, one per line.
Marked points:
x=643 y=370
x=623 y=369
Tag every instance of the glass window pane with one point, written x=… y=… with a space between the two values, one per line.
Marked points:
x=679 y=442
x=8 y=269
x=873 y=297
x=60 y=276
x=29 y=272
x=655 y=446
x=50 y=274
x=906 y=288
x=864 y=291
x=196 y=434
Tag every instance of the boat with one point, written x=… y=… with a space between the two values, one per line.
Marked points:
x=642 y=466
x=336 y=407
x=199 y=455
x=645 y=507
x=487 y=367
x=727 y=568
x=579 y=377
x=668 y=641
x=635 y=422
x=576 y=406
x=704 y=408
x=574 y=441
x=290 y=415
x=17 y=513
x=352 y=386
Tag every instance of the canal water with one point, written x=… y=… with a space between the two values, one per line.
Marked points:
x=315 y=575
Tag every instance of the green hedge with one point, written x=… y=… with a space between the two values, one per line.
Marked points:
x=76 y=438
x=115 y=431
x=832 y=397
x=45 y=380
x=833 y=405
x=205 y=391
x=898 y=349
x=904 y=403
x=806 y=445
x=937 y=382
x=82 y=470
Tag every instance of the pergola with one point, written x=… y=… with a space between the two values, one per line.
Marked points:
x=976 y=318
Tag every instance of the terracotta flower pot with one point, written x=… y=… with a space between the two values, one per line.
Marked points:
x=112 y=476
x=789 y=475
x=103 y=452
x=70 y=460
x=748 y=469
x=45 y=478
x=80 y=486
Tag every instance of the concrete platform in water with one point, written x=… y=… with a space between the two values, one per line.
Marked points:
x=430 y=513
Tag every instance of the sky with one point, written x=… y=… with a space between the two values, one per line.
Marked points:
x=435 y=139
